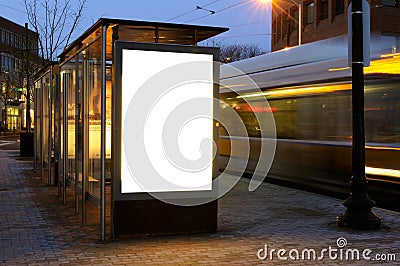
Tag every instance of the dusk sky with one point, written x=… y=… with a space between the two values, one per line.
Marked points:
x=249 y=21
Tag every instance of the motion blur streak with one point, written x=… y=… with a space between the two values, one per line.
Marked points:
x=308 y=89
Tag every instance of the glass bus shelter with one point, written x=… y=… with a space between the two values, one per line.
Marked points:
x=73 y=116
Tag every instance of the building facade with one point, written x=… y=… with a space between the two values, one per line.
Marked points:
x=322 y=19
x=18 y=46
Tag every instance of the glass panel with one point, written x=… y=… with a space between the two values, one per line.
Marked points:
x=45 y=122
x=79 y=126
x=93 y=98
x=38 y=122
x=67 y=73
x=56 y=126
x=108 y=121
x=93 y=74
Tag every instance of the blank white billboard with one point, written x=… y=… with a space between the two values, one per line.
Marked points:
x=167 y=121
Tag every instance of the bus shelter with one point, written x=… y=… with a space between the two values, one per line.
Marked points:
x=74 y=113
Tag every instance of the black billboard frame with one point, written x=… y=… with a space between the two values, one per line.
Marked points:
x=140 y=213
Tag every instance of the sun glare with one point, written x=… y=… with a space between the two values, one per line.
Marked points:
x=262 y=4
x=257 y=11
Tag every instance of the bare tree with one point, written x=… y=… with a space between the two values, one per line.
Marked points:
x=233 y=51
x=55 y=21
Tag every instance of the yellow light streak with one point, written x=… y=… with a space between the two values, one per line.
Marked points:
x=390 y=55
x=382 y=148
x=298 y=91
x=338 y=69
x=384 y=66
x=381 y=66
x=390 y=64
x=382 y=171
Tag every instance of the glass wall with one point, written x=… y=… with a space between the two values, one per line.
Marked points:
x=92 y=97
x=67 y=80
x=81 y=80
x=92 y=72
x=38 y=122
x=79 y=121
x=42 y=104
x=45 y=126
x=56 y=125
x=45 y=111
x=93 y=116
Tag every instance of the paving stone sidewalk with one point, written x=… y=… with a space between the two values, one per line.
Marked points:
x=37 y=229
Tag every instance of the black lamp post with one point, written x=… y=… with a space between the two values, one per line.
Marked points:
x=358 y=214
x=28 y=92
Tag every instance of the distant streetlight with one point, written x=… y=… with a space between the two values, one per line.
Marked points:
x=300 y=14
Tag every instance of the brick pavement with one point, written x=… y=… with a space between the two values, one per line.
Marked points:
x=37 y=229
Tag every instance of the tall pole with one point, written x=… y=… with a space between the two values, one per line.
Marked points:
x=358 y=214
x=50 y=137
x=103 y=148
x=300 y=22
x=300 y=19
x=28 y=92
x=65 y=87
x=6 y=99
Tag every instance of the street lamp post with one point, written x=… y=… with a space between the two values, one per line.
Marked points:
x=28 y=92
x=358 y=214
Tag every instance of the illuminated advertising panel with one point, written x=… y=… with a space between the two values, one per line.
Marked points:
x=167 y=119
